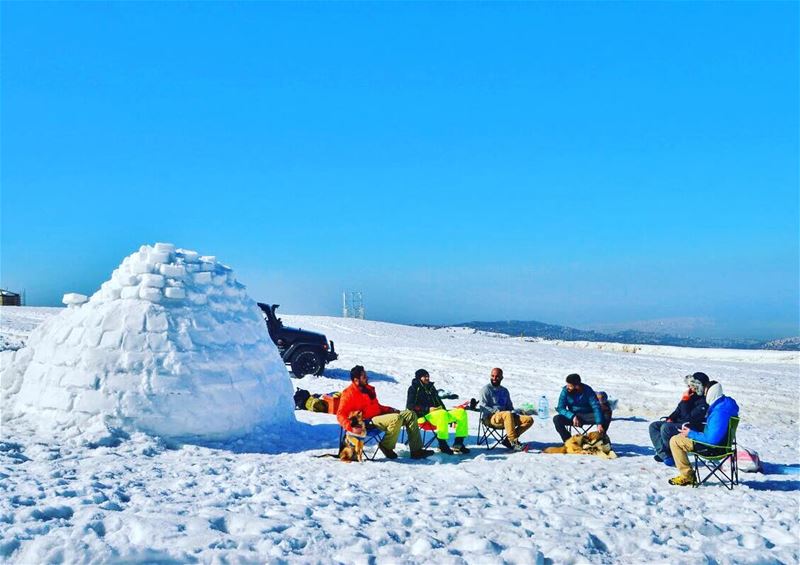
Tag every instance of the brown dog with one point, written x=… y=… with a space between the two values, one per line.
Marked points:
x=593 y=443
x=353 y=448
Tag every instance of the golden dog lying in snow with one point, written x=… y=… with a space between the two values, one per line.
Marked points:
x=593 y=443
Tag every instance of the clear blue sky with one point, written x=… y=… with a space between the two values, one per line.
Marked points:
x=573 y=163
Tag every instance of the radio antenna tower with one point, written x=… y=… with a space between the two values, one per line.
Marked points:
x=352 y=304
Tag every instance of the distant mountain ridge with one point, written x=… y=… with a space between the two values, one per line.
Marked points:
x=566 y=333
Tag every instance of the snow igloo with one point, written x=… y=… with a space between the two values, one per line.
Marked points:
x=171 y=345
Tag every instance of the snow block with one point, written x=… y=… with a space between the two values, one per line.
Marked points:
x=127 y=279
x=140 y=267
x=129 y=292
x=174 y=292
x=155 y=281
x=150 y=293
x=74 y=299
x=188 y=255
x=164 y=247
x=158 y=257
x=198 y=298
x=175 y=271
x=157 y=321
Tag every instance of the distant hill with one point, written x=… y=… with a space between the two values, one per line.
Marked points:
x=566 y=333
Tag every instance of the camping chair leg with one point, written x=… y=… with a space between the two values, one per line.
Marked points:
x=487 y=434
x=717 y=470
x=377 y=438
x=581 y=430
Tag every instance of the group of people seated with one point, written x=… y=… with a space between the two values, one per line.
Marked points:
x=578 y=405
x=701 y=417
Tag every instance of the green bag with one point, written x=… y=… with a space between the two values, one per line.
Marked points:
x=314 y=404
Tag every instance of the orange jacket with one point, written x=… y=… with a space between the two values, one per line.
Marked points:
x=353 y=399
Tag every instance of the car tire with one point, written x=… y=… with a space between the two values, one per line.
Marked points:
x=306 y=362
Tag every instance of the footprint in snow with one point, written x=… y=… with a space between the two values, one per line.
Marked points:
x=52 y=513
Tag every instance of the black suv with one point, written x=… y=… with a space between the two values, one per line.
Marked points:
x=306 y=352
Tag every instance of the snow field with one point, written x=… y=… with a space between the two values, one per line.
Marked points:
x=268 y=498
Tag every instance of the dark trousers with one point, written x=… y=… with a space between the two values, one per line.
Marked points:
x=561 y=423
x=660 y=434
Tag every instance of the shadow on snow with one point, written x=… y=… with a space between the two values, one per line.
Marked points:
x=772 y=485
x=344 y=375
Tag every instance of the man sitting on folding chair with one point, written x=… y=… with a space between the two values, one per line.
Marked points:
x=578 y=407
x=721 y=409
x=497 y=412
x=360 y=396
x=424 y=401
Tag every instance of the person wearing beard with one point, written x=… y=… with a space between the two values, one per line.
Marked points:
x=498 y=412
x=361 y=396
x=691 y=410
x=721 y=409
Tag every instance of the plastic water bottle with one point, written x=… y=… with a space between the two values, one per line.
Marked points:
x=544 y=410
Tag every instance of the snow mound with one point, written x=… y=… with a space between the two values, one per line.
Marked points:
x=171 y=345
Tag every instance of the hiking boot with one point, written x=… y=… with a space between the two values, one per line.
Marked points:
x=683 y=480
x=669 y=462
x=517 y=446
x=421 y=454
x=444 y=448
x=658 y=458
x=388 y=453
x=459 y=447
x=506 y=442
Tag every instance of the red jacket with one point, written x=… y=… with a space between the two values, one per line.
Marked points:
x=354 y=399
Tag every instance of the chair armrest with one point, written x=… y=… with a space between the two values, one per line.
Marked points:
x=712 y=444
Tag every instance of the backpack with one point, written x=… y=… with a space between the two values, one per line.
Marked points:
x=316 y=404
x=300 y=398
x=748 y=460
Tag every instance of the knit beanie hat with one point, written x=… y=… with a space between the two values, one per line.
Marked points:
x=698 y=381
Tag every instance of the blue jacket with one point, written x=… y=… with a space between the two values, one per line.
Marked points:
x=719 y=414
x=579 y=402
x=495 y=399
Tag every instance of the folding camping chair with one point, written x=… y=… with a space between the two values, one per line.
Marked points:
x=713 y=457
x=374 y=437
x=581 y=430
x=425 y=428
x=489 y=436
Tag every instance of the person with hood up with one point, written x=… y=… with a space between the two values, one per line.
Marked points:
x=721 y=409
x=360 y=396
x=691 y=410
x=423 y=399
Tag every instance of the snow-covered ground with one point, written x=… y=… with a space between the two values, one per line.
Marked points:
x=147 y=500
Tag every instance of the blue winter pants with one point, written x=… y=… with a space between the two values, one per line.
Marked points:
x=660 y=434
